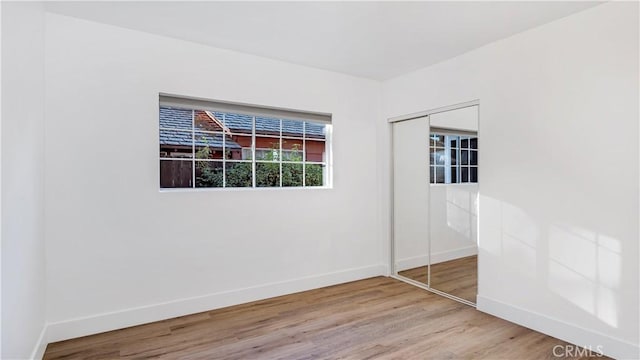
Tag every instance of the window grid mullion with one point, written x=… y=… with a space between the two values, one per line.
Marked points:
x=280 y=154
x=431 y=177
x=193 y=149
x=304 y=154
x=447 y=160
x=253 y=151
x=224 y=153
x=459 y=161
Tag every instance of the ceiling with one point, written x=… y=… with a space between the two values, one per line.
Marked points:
x=376 y=40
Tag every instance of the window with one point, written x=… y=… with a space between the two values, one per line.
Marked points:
x=453 y=159
x=219 y=145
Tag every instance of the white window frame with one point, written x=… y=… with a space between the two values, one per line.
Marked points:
x=253 y=111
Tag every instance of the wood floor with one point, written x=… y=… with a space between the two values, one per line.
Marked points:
x=457 y=277
x=377 y=318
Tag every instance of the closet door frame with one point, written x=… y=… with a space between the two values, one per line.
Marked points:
x=392 y=243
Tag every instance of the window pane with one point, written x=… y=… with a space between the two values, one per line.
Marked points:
x=454 y=175
x=293 y=128
x=238 y=174
x=474 y=174
x=432 y=174
x=291 y=174
x=474 y=157
x=315 y=150
x=315 y=130
x=173 y=118
x=232 y=149
x=176 y=144
x=474 y=143
x=439 y=140
x=267 y=149
x=440 y=156
x=236 y=123
x=267 y=126
x=453 y=141
x=208 y=146
x=175 y=173
x=207 y=121
x=208 y=174
x=267 y=174
x=464 y=174
x=292 y=149
x=440 y=174
x=314 y=175
x=464 y=143
x=235 y=146
x=464 y=157
x=453 y=156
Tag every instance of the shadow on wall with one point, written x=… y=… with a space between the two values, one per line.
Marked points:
x=580 y=267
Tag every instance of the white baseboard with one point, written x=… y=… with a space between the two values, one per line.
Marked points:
x=438 y=257
x=41 y=345
x=98 y=323
x=570 y=333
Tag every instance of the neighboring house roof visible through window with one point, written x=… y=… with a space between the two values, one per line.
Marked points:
x=183 y=138
x=242 y=123
x=176 y=118
x=171 y=118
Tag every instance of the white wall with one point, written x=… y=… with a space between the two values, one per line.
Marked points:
x=23 y=250
x=120 y=252
x=559 y=179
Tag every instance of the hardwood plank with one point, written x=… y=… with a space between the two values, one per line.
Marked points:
x=377 y=318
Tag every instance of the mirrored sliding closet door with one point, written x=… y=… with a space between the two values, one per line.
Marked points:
x=435 y=195
x=411 y=199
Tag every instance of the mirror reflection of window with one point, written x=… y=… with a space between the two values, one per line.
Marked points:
x=453 y=159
